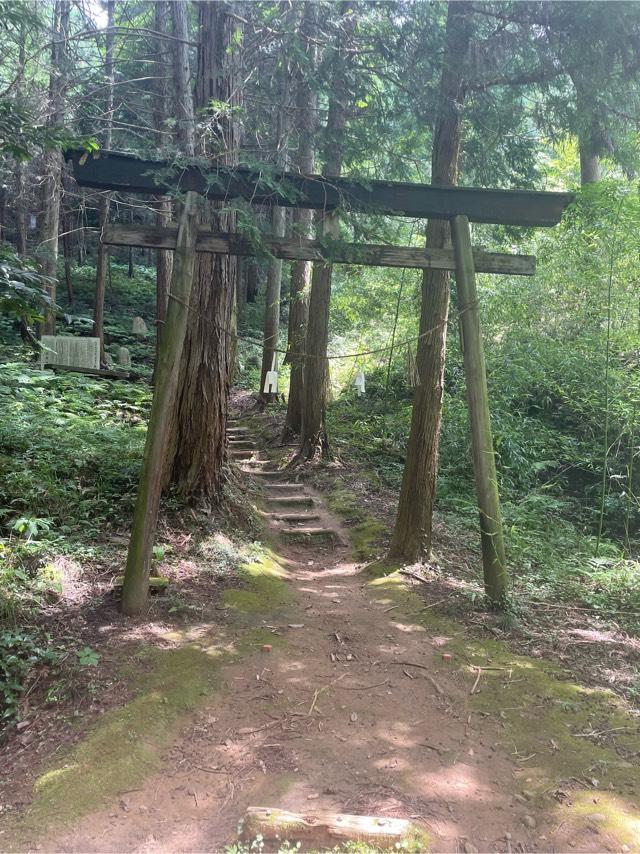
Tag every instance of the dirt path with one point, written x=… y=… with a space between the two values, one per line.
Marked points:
x=356 y=708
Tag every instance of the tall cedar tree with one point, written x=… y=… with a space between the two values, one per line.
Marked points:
x=52 y=186
x=278 y=224
x=302 y=220
x=161 y=112
x=196 y=453
x=314 y=439
x=105 y=201
x=412 y=533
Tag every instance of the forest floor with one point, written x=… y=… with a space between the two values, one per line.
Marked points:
x=317 y=686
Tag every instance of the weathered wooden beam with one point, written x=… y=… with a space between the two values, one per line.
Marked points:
x=484 y=462
x=112 y=171
x=325 y=831
x=145 y=515
x=299 y=249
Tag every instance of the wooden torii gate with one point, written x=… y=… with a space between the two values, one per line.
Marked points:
x=460 y=205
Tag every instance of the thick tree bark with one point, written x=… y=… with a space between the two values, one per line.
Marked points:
x=197 y=451
x=50 y=221
x=278 y=225
x=20 y=201
x=102 y=262
x=164 y=258
x=306 y=120
x=314 y=439
x=185 y=124
x=412 y=533
x=67 y=235
x=589 y=132
x=253 y=279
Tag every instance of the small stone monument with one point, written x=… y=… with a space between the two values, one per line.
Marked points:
x=70 y=351
x=139 y=327
x=124 y=357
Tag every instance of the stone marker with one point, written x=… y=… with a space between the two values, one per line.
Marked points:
x=124 y=357
x=71 y=351
x=139 y=327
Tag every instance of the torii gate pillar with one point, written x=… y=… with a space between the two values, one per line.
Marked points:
x=484 y=463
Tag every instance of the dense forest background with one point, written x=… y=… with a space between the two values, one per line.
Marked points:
x=547 y=98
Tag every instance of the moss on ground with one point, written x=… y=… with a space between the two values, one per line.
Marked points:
x=126 y=745
x=364 y=530
x=558 y=730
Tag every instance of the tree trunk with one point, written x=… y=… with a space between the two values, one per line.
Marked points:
x=185 y=124
x=412 y=533
x=164 y=258
x=48 y=248
x=20 y=202
x=589 y=132
x=306 y=120
x=197 y=452
x=314 y=440
x=67 y=235
x=278 y=225
x=253 y=279
x=102 y=262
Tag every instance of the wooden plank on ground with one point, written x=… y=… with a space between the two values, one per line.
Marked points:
x=326 y=830
x=300 y=249
x=113 y=171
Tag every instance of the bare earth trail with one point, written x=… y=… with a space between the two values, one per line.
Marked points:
x=357 y=708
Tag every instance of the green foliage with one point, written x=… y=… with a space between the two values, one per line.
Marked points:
x=20 y=651
x=70 y=450
x=22 y=294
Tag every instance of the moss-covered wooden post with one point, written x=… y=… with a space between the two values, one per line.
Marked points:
x=145 y=517
x=493 y=557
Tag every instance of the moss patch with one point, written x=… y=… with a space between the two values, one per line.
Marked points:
x=126 y=745
x=265 y=589
x=364 y=530
x=550 y=723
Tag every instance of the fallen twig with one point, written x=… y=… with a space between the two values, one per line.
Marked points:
x=319 y=691
x=475 y=684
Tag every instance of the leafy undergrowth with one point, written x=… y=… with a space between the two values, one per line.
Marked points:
x=551 y=555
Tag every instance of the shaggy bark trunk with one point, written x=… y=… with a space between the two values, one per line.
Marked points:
x=48 y=249
x=589 y=132
x=278 y=225
x=306 y=108
x=164 y=258
x=185 y=124
x=67 y=235
x=412 y=533
x=314 y=439
x=253 y=279
x=20 y=202
x=102 y=262
x=197 y=452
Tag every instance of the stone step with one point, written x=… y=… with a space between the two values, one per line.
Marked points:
x=257 y=472
x=308 y=532
x=291 y=500
x=284 y=486
x=240 y=455
x=294 y=517
x=241 y=444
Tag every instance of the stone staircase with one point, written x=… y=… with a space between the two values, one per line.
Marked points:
x=290 y=509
